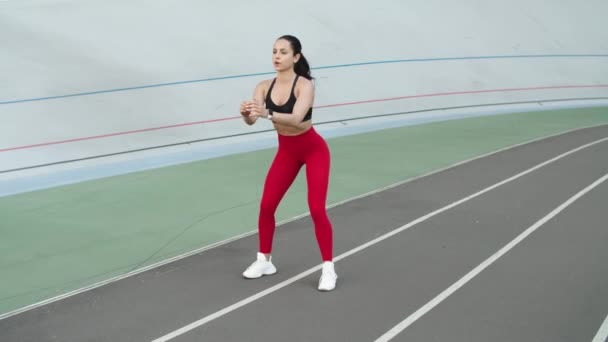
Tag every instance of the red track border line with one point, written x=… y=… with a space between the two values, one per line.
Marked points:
x=101 y=136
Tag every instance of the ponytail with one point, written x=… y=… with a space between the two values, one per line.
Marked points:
x=301 y=67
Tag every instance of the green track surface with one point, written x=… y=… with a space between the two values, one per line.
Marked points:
x=61 y=239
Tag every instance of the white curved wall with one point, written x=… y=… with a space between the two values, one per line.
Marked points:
x=56 y=48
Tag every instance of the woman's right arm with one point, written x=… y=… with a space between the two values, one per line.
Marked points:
x=249 y=119
x=258 y=98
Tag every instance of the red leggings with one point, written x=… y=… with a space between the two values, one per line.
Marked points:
x=309 y=149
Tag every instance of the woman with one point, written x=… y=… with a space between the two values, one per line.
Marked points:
x=287 y=101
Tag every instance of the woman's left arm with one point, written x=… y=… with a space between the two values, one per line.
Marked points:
x=304 y=102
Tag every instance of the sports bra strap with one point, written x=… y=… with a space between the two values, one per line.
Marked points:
x=293 y=87
x=271 y=85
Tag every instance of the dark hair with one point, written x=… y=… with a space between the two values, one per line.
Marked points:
x=301 y=67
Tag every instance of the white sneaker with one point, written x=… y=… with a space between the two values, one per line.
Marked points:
x=327 y=282
x=260 y=267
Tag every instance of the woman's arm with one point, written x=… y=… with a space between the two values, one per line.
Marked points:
x=246 y=113
x=258 y=100
x=304 y=102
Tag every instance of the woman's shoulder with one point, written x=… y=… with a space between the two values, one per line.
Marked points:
x=264 y=84
x=262 y=87
x=304 y=83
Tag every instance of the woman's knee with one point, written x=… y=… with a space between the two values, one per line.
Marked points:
x=268 y=207
x=318 y=212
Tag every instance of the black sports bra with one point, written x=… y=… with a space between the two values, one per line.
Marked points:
x=286 y=108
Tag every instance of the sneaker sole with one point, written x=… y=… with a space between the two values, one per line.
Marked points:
x=263 y=274
x=327 y=290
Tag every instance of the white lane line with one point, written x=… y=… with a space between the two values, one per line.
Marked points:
x=276 y=287
x=602 y=334
x=223 y=242
x=462 y=281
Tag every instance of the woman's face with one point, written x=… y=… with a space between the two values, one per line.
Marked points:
x=282 y=55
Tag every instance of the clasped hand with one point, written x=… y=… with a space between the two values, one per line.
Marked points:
x=251 y=109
